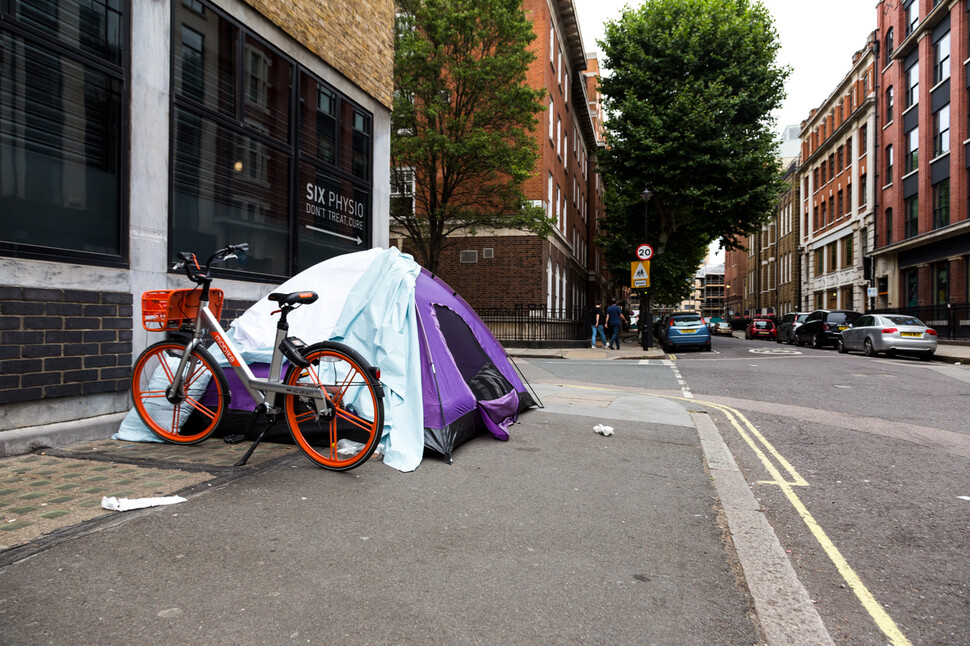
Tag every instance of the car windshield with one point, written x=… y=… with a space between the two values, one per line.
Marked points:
x=904 y=320
x=801 y=317
x=686 y=321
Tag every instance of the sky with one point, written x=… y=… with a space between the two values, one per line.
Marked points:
x=817 y=47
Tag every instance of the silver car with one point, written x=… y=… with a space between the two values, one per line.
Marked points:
x=889 y=333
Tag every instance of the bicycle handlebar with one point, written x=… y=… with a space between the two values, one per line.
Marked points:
x=195 y=273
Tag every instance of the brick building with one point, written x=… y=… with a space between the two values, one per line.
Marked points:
x=563 y=273
x=922 y=241
x=837 y=196
x=130 y=131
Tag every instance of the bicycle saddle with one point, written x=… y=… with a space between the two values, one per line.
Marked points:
x=293 y=298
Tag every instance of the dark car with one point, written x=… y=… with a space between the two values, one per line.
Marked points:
x=789 y=323
x=686 y=331
x=824 y=327
x=761 y=329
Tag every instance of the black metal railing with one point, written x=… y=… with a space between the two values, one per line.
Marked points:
x=536 y=323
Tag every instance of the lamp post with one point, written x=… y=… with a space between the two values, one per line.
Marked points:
x=646 y=315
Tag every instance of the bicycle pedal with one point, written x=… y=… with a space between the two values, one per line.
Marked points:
x=234 y=439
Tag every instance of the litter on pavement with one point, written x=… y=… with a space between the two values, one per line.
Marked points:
x=603 y=430
x=127 y=504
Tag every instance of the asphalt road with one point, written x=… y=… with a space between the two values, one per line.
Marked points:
x=883 y=446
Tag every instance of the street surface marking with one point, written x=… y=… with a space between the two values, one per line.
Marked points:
x=876 y=611
x=779 y=351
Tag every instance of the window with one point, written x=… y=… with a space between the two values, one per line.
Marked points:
x=911 y=216
x=833 y=257
x=889 y=164
x=889 y=104
x=831 y=210
x=911 y=287
x=832 y=166
x=840 y=157
x=248 y=127
x=912 y=85
x=848 y=252
x=912 y=16
x=941 y=131
x=941 y=59
x=911 y=161
x=941 y=283
x=941 y=204
x=841 y=203
x=551 y=118
x=889 y=227
x=890 y=45
x=863 y=140
x=63 y=141
x=819 y=264
x=863 y=189
x=402 y=192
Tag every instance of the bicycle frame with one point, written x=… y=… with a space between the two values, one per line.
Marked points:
x=256 y=387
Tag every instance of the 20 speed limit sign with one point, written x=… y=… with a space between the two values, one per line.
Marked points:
x=644 y=252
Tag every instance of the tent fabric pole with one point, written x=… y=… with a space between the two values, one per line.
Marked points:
x=434 y=372
x=525 y=380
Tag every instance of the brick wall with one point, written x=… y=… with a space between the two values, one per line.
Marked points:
x=355 y=37
x=62 y=342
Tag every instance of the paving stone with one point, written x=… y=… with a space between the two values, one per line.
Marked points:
x=39 y=483
x=17 y=524
x=60 y=499
x=21 y=510
x=55 y=514
x=66 y=487
x=4 y=492
x=121 y=494
x=32 y=496
x=93 y=490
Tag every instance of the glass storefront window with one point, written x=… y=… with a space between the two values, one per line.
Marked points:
x=62 y=128
x=234 y=173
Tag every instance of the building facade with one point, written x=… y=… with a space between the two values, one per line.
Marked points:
x=564 y=273
x=837 y=196
x=130 y=131
x=921 y=248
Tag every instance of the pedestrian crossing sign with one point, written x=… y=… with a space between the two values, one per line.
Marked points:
x=640 y=274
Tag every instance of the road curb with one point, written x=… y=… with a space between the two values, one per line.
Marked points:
x=19 y=441
x=785 y=610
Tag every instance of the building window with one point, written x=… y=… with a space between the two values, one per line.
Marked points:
x=831 y=210
x=889 y=104
x=941 y=131
x=911 y=216
x=863 y=140
x=840 y=157
x=890 y=45
x=912 y=85
x=941 y=204
x=941 y=283
x=819 y=261
x=911 y=287
x=911 y=160
x=941 y=59
x=841 y=210
x=863 y=189
x=249 y=126
x=831 y=251
x=889 y=227
x=889 y=164
x=63 y=141
x=848 y=252
x=912 y=16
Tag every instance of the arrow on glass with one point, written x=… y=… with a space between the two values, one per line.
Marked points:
x=336 y=235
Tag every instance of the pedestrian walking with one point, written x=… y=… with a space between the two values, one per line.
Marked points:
x=597 y=320
x=614 y=319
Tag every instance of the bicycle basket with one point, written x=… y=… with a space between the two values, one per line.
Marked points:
x=168 y=309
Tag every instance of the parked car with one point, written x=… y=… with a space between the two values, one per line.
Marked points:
x=722 y=327
x=686 y=331
x=824 y=327
x=761 y=329
x=889 y=333
x=789 y=323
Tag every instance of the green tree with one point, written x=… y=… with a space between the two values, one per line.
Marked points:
x=689 y=98
x=462 y=121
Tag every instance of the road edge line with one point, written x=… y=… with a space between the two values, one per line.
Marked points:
x=785 y=610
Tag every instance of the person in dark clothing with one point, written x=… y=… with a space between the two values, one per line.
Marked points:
x=614 y=319
x=599 y=318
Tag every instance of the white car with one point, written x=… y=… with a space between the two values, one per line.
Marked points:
x=889 y=333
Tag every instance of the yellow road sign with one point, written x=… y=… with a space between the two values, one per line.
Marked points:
x=640 y=274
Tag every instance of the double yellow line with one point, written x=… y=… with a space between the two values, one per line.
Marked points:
x=763 y=449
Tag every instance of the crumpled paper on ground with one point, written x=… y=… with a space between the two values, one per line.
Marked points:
x=127 y=504
x=603 y=430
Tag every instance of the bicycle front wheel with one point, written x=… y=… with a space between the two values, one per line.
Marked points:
x=345 y=434
x=190 y=415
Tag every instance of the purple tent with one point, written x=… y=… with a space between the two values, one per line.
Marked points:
x=468 y=382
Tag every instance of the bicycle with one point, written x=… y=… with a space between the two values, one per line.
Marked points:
x=331 y=398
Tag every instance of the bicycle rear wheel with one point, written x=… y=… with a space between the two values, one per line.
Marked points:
x=347 y=437
x=193 y=414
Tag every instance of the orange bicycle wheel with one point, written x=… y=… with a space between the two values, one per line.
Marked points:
x=346 y=434
x=187 y=417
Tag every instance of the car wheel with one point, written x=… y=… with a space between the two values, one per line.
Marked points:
x=867 y=347
x=842 y=348
x=816 y=341
x=926 y=356
x=668 y=348
x=798 y=341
